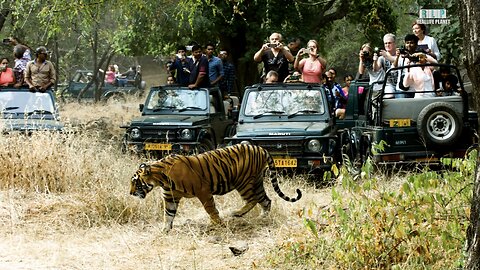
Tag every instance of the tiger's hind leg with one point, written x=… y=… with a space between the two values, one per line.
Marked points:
x=253 y=193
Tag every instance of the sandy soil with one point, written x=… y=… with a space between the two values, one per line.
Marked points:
x=36 y=240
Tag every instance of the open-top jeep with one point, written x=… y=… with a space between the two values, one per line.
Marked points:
x=292 y=121
x=25 y=112
x=180 y=120
x=409 y=130
x=82 y=78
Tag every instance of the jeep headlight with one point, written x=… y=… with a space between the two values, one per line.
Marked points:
x=135 y=133
x=314 y=146
x=186 y=134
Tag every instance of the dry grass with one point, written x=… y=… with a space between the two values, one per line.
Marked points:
x=64 y=204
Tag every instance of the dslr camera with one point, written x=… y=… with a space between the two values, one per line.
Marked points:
x=272 y=45
x=403 y=50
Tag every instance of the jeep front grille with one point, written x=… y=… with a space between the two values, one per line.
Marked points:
x=159 y=134
x=282 y=147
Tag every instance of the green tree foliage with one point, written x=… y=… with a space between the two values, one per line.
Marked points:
x=148 y=27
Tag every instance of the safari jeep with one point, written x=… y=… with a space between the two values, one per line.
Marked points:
x=411 y=130
x=81 y=79
x=179 y=120
x=26 y=112
x=292 y=121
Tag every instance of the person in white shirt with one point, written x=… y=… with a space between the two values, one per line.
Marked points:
x=427 y=43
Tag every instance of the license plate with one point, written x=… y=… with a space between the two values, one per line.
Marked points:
x=399 y=122
x=158 y=146
x=285 y=162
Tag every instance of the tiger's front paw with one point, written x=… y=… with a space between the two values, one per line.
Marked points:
x=218 y=221
x=167 y=227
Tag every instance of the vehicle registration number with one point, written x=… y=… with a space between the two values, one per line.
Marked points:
x=158 y=146
x=399 y=122
x=285 y=162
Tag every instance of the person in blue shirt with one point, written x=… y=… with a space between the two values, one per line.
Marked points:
x=339 y=97
x=215 y=66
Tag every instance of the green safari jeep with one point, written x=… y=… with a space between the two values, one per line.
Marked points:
x=422 y=129
x=176 y=119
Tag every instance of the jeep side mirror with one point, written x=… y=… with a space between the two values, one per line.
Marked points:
x=140 y=106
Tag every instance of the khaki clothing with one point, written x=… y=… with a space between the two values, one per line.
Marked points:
x=40 y=73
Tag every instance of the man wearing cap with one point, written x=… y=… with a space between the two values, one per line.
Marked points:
x=40 y=72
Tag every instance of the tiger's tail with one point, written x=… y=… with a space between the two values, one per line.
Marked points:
x=276 y=187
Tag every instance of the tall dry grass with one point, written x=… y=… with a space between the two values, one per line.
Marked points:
x=82 y=171
x=81 y=177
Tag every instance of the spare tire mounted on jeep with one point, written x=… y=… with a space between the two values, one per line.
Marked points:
x=440 y=123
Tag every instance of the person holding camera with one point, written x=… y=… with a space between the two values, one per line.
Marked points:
x=40 y=73
x=21 y=53
x=421 y=77
x=407 y=56
x=386 y=59
x=311 y=67
x=180 y=66
x=370 y=64
x=275 y=56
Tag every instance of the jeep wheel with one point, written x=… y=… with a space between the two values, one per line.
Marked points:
x=439 y=123
x=205 y=145
x=350 y=156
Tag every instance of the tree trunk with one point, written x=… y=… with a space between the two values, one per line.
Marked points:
x=3 y=17
x=470 y=22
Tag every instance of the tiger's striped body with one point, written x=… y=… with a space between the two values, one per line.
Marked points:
x=239 y=167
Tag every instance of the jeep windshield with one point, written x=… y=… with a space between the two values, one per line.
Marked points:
x=25 y=103
x=182 y=99
x=287 y=101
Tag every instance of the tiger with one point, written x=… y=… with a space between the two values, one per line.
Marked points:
x=238 y=167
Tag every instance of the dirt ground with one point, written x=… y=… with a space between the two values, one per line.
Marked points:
x=37 y=240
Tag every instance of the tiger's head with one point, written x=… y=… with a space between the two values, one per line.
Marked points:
x=138 y=186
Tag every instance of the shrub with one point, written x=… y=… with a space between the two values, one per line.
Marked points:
x=416 y=223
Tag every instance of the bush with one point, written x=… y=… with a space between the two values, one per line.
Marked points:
x=416 y=223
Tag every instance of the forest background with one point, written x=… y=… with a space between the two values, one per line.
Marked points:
x=90 y=34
